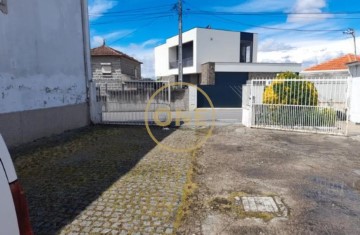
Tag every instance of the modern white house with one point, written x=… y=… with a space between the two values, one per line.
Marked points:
x=219 y=61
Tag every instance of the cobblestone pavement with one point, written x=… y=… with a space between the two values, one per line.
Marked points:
x=107 y=180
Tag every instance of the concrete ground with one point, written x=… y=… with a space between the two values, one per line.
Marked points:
x=315 y=177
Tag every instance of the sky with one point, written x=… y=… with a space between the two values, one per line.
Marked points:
x=135 y=27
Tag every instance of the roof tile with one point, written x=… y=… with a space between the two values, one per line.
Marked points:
x=335 y=64
x=108 y=51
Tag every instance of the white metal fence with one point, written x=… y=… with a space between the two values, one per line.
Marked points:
x=310 y=105
x=125 y=102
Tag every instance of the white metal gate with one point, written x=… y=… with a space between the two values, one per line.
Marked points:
x=308 y=105
x=125 y=102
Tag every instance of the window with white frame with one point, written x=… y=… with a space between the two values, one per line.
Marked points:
x=3 y=6
x=106 y=68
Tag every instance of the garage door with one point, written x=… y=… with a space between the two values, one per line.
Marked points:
x=227 y=91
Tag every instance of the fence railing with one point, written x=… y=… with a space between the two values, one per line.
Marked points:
x=310 y=105
x=126 y=101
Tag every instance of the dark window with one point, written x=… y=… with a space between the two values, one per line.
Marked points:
x=246 y=48
x=188 y=53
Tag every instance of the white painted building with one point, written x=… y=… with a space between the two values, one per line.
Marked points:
x=44 y=68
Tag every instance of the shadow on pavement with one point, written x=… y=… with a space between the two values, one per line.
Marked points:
x=63 y=174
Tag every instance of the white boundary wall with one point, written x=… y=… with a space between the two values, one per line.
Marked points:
x=355 y=100
x=41 y=55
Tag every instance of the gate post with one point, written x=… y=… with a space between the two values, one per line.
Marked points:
x=95 y=104
x=354 y=88
x=247 y=105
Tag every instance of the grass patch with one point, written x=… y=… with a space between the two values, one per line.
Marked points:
x=189 y=189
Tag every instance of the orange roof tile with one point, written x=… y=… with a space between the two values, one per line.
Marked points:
x=335 y=64
x=108 y=51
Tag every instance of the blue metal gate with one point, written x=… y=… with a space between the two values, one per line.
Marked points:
x=227 y=91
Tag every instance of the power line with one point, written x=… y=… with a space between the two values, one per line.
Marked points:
x=136 y=10
x=157 y=12
x=280 y=29
x=273 y=13
x=132 y=19
x=315 y=16
x=269 y=27
x=132 y=32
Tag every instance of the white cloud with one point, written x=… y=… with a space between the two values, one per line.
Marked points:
x=286 y=6
x=259 y=5
x=273 y=45
x=143 y=52
x=309 y=52
x=98 y=7
x=308 y=6
x=308 y=48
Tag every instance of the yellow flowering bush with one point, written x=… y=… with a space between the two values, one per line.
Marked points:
x=293 y=92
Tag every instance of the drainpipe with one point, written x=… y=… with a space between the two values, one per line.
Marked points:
x=90 y=90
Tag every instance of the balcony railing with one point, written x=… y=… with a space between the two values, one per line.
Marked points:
x=187 y=62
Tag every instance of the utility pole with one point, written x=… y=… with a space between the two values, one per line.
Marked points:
x=351 y=32
x=180 y=52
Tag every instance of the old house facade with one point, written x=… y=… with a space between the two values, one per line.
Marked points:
x=108 y=63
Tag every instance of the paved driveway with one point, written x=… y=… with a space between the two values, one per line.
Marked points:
x=104 y=180
x=314 y=178
x=115 y=180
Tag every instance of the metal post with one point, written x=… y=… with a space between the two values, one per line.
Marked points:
x=354 y=43
x=180 y=52
x=352 y=33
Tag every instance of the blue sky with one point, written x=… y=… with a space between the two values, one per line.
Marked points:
x=137 y=26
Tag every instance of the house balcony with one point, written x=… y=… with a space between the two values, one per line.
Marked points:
x=187 y=62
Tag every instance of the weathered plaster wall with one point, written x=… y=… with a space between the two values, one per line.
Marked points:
x=41 y=55
x=42 y=69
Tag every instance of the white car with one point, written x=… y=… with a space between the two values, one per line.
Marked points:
x=14 y=213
